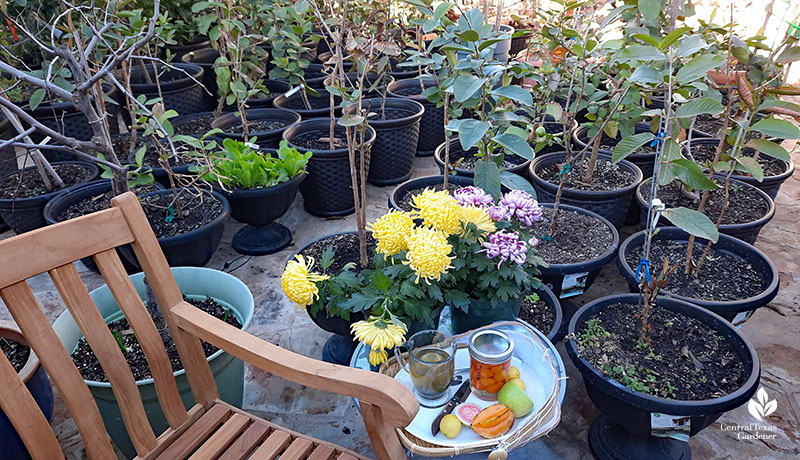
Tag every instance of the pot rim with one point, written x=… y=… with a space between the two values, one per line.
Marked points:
x=252 y=193
x=592 y=194
x=312 y=124
x=428 y=81
x=405 y=185
x=10 y=330
x=392 y=103
x=600 y=260
x=790 y=166
x=639 y=126
x=219 y=220
x=271 y=113
x=20 y=202
x=439 y=152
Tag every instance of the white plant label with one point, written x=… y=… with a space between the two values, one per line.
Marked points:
x=741 y=317
x=670 y=426
x=573 y=284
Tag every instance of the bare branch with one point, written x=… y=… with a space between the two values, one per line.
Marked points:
x=19 y=75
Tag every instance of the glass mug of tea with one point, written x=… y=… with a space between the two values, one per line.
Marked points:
x=431 y=365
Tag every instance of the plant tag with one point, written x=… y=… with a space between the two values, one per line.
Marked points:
x=670 y=426
x=741 y=317
x=573 y=284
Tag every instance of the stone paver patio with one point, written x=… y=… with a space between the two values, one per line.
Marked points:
x=773 y=331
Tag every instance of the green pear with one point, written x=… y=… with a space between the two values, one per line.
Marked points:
x=515 y=398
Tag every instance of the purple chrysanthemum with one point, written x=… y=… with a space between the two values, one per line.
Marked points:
x=506 y=246
x=499 y=213
x=521 y=204
x=472 y=196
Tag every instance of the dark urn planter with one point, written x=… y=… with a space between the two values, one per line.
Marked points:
x=735 y=311
x=181 y=86
x=520 y=163
x=396 y=138
x=38 y=383
x=747 y=232
x=328 y=190
x=320 y=106
x=419 y=183
x=611 y=204
x=567 y=280
x=624 y=429
x=160 y=174
x=26 y=214
x=259 y=208
x=771 y=185
x=267 y=139
x=193 y=248
x=431 y=128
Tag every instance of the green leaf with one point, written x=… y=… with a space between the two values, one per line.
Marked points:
x=790 y=54
x=516 y=182
x=647 y=75
x=672 y=37
x=441 y=10
x=487 y=177
x=470 y=132
x=489 y=42
x=614 y=15
x=515 y=93
x=698 y=67
x=647 y=39
x=769 y=148
x=650 y=9
x=691 y=45
x=781 y=129
x=360 y=301
x=348 y=119
x=692 y=175
x=628 y=145
x=741 y=54
x=36 y=98
x=468 y=35
x=693 y=222
x=641 y=53
x=770 y=103
x=703 y=105
x=751 y=165
x=467 y=85
x=515 y=144
x=381 y=281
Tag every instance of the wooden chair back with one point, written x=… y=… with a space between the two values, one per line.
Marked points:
x=53 y=250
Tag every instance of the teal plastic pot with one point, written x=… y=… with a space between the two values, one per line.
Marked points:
x=228 y=371
x=482 y=313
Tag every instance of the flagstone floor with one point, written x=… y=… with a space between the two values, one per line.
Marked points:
x=773 y=331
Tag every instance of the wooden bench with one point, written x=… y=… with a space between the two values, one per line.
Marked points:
x=211 y=429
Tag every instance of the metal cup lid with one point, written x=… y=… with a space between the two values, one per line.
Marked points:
x=491 y=347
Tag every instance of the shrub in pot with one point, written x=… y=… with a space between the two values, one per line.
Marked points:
x=644 y=387
x=266 y=125
x=260 y=189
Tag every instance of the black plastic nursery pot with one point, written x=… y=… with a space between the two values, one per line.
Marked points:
x=275 y=88
x=555 y=333
x=193 y=248
x=624 y=430
x=482 y=313
x=456 y=151
x=259 y=208
x=328 y=189
x=160 y=174
x=205 y=58
x=181 y=85
x=611 y=204
x=771 y=185
x=397 y=126
x=420 y=183
x=735 y=311
x=747 y=232
x=370 y=80
x=8 y=155
x=431 y=128
x=198 y=43
x=644 y=161
x=26 y=214
x=567 y=280
x=320 y=106
x=268 y=139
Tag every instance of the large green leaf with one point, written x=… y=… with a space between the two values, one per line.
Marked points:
x=650 y=9
x=672 y=37
x=516 y=93
x=467 y=85
x=487 y=177
x=690 y=45
x=769 y=148
x=516 y=182
x=694 y=222
x=641 y=53
x=703 y=105
x=770 y=103
x=692 y=175
x=647 y=75
x=751 y=166
x=468 y=35
x=790 y=54
x=470 y=132
x=697 y=67
x=515 y=144
x=36 y=98
x=629 y=145
x=781 y=129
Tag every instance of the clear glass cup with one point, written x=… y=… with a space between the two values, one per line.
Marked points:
x=431 y=364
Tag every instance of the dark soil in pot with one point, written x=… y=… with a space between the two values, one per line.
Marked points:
x=16 y=353
x=98 y=203
x=723 y=276
x=28 y=183
x=196 y=126
x=320 y=106
x=606 y=176
x=643 y=157
x=90 y=369
x=257 y=126
x=704 y=152
x=197 y=212
x=578 y=237
x=686 y=360
x=346 y=248
x=466 y=160
x=537 y=313
x=152 y=158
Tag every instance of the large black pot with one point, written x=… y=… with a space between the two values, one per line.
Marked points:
x=746 y=232
x=259 y=208
x=556 y=276
x=328 y=190
x=265 y=139
x=737 y=311
x=482 y=313
x=623 y=431
x=611 y=204
x=160 y=174
x=369 y=80
x=555 y=333
x=431 y=128
x=198 y=43
x=8 y=155
x=205 y=58
x=521 y=164
x=420 y=183
x=276 y=89
x=396 y=138
x=26 y=214
x=181 y=86
x=644 y=161
x=320 y=106
x=194 y=248
x=771 y=185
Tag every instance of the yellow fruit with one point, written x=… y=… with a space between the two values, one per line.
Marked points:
x=450 y=426
x=518 y=382
x=513 y=373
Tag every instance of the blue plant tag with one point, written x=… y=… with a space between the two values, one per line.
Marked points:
x=170 y=214
x=643 y=269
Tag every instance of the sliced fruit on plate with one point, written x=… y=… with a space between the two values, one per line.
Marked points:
x=466 y=412
x=493 y=421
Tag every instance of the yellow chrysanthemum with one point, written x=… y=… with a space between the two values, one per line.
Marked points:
x=378 y=357
x=478 y=217
x=379 y=333
x=438 y=210
x=298 y=281
x=391 y=231
x=428 y=253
